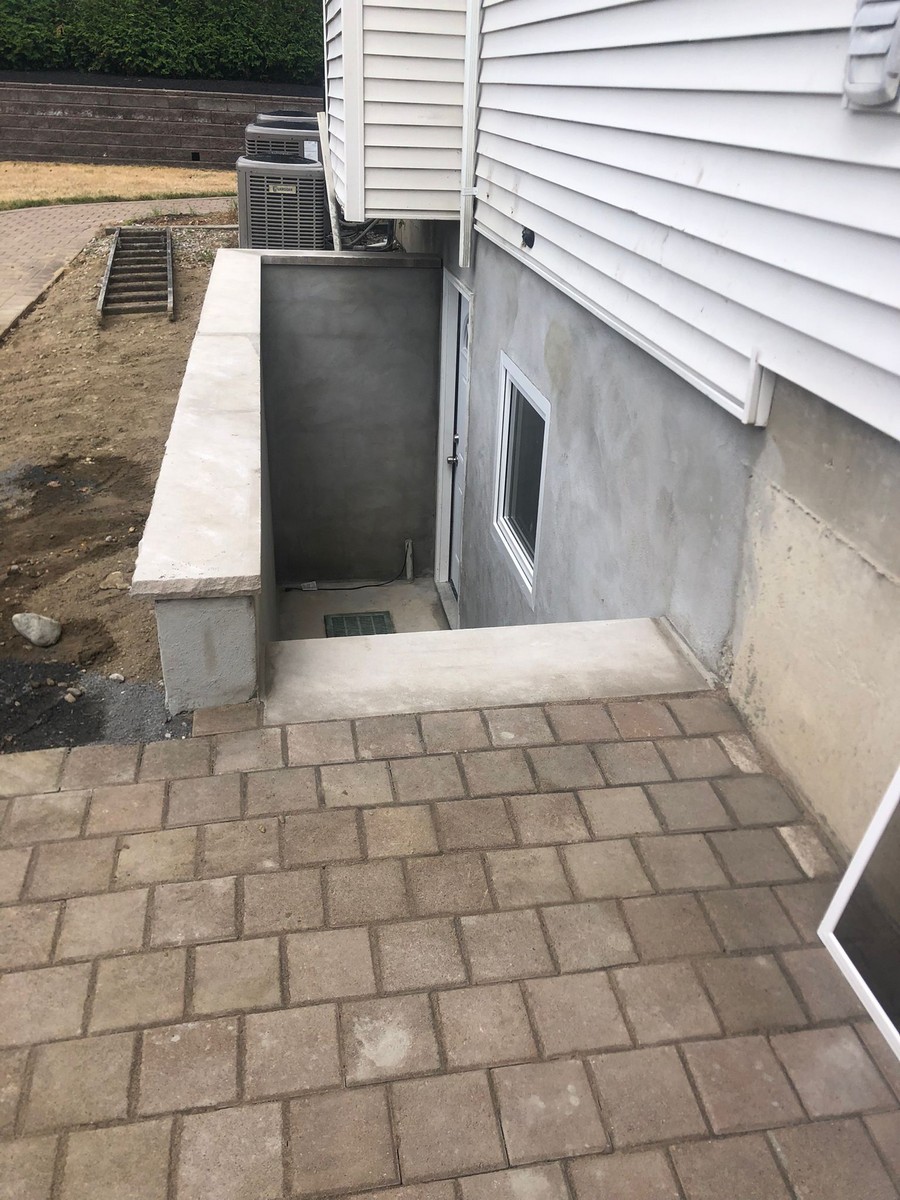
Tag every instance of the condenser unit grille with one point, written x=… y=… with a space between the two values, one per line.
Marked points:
x=286 y=212
x=261 y=147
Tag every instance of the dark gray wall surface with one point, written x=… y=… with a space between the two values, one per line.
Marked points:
x=646 y=480
x=350 y=392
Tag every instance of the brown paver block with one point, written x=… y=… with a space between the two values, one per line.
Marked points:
x=637 y=719
x=26 y=1166
x=497 y=772
x=77 y=1083
x=705 y=714
x=234 y=1154
x=197 y=801
x=740 y=1166
x=507 y=945
x=681 y=861
x=139 y=989
x=95 y=766
x=249 y=750
x=289 y=789
x=755 y=856
x=757 y=800
x=665 y=1003
x=13 y=866
x=485 y=1026
x=689 y=805
x=372 y=891
x=26 y=935
x=671 y=926
x=161 y=857
x=474 y=824
x=641 y=1175
x=832 y=1160
x=12 y=1077
x=549 y=819
x=751 y=994
x=229 y=718
x=193 y=912
x=749 y=919
x=645 y=1096
x=619 y=812
x=695 y=758
x=47 y=818
x=526 y=877
x=399 y=831
x=741 y=1085
x=65 y=869
x=320 y=742
x=281 y=902
x=434 y=777
x=547 y=1110
x=99 y=925
x=806 y=904
x=559 y=768
x=454 y=731
x=188 y=1066
x=825 y=992
x=574 y=1013
x=630 y=762
x=518 y=727
x=545 y=1182
x=30 y=773
x=355 y=785
x=589 y=935
x=885 y=1131
x=883 y=1056
x=320 y=837
x=388 y=737
x=236 y=975
x=581 y=723
x=809 y=850
x=832 y=1072
x=179 y=758
x=600 y=870
x=128 y=808
x=442 y=1190
x=329 y=964
x=388 y=1039
x=419 y=954
x=238 y=847
x=426 y=1109
x=341 y=1140
x=449 y=883
x=294 y=1050
x=128 y=1162
x=41 y=1005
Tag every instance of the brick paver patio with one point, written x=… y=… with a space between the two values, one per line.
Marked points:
x=552 y=953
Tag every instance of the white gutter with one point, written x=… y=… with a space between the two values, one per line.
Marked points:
x=469 y=132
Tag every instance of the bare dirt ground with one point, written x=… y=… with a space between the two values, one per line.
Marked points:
x=24 y=183
x=86 y=412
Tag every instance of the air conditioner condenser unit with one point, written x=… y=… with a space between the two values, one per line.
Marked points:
x=282 y=205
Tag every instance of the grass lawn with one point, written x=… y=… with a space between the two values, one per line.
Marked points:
x=29 y=184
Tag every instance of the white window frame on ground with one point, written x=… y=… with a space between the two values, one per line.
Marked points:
x=512 y=379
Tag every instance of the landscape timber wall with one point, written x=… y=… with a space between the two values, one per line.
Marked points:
x=160 y=126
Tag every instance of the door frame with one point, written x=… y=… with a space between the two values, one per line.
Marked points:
x=452 y=288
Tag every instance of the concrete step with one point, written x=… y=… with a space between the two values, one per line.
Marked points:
x=338 y=678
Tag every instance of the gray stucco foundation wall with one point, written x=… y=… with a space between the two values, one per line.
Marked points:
x=350 y=394
x=208 y=648
x=646 y=479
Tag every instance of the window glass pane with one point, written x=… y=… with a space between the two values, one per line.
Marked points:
x=523 y=473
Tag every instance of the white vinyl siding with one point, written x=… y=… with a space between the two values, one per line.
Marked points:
x=691 y=176
x=402 y=156
x=334 y=75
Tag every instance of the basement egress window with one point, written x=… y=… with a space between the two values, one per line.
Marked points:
x=524 y=423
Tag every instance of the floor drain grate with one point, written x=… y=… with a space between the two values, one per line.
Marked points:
x=358 y=624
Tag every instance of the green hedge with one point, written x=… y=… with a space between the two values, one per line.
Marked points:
x=278 y=40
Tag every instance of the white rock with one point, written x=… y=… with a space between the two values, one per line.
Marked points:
x=40 y=631
x=114 y=581
x=117 y=678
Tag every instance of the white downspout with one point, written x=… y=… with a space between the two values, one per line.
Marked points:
x=469 y=132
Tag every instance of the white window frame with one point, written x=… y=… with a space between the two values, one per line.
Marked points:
x=835 y=911
x=511 y=377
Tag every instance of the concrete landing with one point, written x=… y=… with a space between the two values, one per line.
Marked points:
x=336 y=679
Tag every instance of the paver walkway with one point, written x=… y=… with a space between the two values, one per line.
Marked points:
x=36 y=242
x=553 y=952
